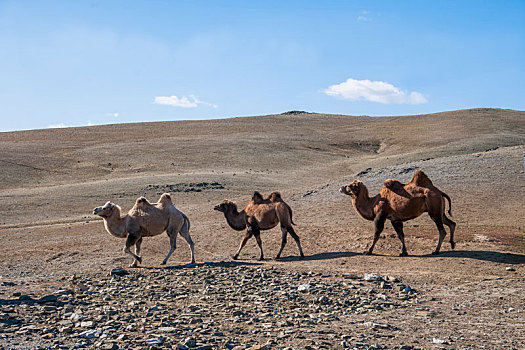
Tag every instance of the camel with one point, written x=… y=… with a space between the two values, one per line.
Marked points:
x=400 y=202
x=260 y=214
x=146 y=220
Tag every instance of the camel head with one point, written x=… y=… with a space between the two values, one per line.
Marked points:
x=106 y=210
x=352 y=189
x=225 y=206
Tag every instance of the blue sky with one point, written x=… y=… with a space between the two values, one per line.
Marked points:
x=75 y=63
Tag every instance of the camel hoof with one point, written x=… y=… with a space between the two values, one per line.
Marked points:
x=140 y=259
x=163 y=263
x=403 y=254
x=301 y=257
x=193 y=261
x=277 y=257
x=234 y=257
x=367 y=253
x=453 y=245
x=435 y=252
x=261 y=259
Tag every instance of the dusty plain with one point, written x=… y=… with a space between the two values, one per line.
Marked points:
x=52 y=245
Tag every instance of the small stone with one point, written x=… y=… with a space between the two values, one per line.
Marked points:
x=86 y=324
x=91 y=334
x=510 y=269
x=371 y=277
x=304 y=288
x=119 y=272
x=438 y=341
x=190 y=342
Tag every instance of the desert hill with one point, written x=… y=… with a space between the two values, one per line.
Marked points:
x=276 y=150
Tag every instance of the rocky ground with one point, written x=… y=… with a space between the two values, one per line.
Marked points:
x=239 y=305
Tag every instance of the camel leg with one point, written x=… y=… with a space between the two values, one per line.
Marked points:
x=398 y=226
x=187 y=237
x=137 y=246
x=379 y=225
x=297 y=240
x=257 y=234
x=173 y=245
x=130 y=241
x=284 y=232
x=442 y=234
x=452 y=226
x=245 y=239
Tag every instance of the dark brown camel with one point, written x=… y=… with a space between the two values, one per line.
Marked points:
x=400 y=202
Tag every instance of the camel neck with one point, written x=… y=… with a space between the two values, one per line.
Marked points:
x=235 y=219
x=364 y=205
x=116 y=225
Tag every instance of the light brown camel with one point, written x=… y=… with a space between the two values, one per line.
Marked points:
x=146 y=220
x=260 y=214
x=400 y=202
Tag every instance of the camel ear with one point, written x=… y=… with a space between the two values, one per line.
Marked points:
x=108 y=204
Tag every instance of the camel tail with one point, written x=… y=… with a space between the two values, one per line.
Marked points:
x=291 y=220
x=449 y=203
x=186 y=225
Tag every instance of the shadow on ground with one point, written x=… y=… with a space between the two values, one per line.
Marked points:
x=322 y=256
x=209 y=263
x=507 y=258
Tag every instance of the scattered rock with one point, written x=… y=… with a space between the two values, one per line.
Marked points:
x=91 y=334
x=118 y=272
x=364 y=172
x=207 y=306
x=304 y=288
x=371 y=277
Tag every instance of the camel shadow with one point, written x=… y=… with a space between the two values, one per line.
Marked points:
x=484 y=255
x=207 y=263
x=321 y=256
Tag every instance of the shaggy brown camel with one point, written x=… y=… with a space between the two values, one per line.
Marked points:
x=400 y=202
x=260 y=214
x=146 y=220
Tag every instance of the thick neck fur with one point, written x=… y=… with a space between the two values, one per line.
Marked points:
x=364 y=205
x=115 y=224
x=236 y=220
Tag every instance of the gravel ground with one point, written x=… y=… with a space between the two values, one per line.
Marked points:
x=207 y=306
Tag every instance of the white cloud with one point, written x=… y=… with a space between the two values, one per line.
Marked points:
x=363 y=16
x=185 y=102
x=375 y=91
x=57 y=126
x=115 y=115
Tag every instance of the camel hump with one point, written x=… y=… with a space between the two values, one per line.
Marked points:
x=421 y=179
x=165 y=200
x=391 y=184
x=141 y=201
x=257 y=198
x=275 y=197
